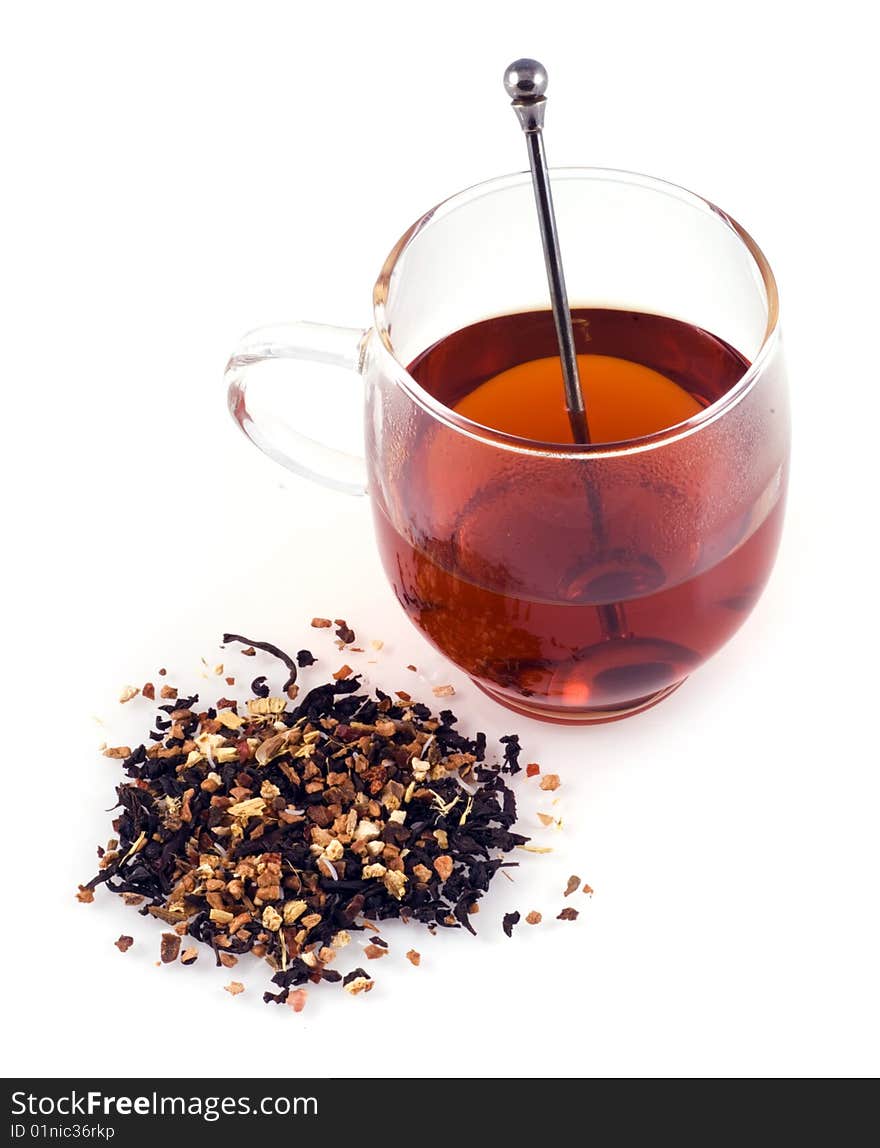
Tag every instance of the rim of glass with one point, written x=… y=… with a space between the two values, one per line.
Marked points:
x=624 y=446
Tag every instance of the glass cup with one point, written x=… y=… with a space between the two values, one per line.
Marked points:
x=572 y=583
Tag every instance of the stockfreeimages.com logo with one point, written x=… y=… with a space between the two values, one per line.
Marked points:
x=207 y=1107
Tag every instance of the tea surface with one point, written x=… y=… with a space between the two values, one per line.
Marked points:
x=639 y=373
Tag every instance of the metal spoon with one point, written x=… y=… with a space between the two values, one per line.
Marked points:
x=643 y=660
x=526 y=83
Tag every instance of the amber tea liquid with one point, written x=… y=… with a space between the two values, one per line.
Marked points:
x=576 y=619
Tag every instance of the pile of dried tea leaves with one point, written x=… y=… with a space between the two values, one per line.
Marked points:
x=281 y=826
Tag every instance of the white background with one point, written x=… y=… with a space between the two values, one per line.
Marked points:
x=176 y=173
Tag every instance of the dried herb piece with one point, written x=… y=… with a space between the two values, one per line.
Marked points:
x=568 y=915
x=533 y=918
x=234 y=988
x=297 y=1000
x=124 y=943
x=128 y=693
x=373 y=952
x=414 y=958
x=321 y=623
x=532 y=769
x=168 y=692
x=149 y=691
x=588 y=889
x=510 y=919
x=119 y=751
x=572 y=886
x=550 y=781
x=189 y=956
x=357 y=981
x=170 y=947
x=305 y=658
x=444 y=692
x=546 y=818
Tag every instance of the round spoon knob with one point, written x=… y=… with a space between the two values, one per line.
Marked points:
x=525 y=80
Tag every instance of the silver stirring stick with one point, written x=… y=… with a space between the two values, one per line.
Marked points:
x=526 y=83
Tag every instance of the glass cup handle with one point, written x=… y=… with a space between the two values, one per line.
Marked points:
x=251 y=402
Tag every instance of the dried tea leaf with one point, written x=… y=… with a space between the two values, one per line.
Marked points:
x=124 y=943
x=507 y=924
x=345 y=633
x=572 y=886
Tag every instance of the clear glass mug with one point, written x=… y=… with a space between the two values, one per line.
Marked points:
x=553 y=609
